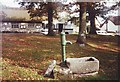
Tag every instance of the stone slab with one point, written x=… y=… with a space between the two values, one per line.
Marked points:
x=50 y=69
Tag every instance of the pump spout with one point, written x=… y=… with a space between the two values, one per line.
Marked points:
x=68 y=42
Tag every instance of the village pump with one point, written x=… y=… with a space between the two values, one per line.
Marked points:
x=84 y=66
x=81 y=66
x=63 y=44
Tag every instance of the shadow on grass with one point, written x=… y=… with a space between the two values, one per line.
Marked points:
x=36 y=51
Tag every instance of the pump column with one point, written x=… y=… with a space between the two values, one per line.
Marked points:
x=63 y=44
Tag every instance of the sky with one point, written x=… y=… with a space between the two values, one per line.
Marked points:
x=10 y=3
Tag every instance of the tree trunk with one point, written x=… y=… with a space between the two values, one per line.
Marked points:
x=50 y=19
x=92 y=21
x=82 y=25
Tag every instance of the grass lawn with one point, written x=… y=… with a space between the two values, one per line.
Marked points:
x=27 y=56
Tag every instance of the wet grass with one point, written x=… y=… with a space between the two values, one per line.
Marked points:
x=27 y=56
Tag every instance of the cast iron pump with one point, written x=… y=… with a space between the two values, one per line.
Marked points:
x=63 y=44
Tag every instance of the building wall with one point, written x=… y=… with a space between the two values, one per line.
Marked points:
x=21 y=27
x=110 y=26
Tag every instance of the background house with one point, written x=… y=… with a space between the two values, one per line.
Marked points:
x=109 y=26
x=18 y=20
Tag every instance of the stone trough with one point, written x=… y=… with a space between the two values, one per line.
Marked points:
x=79 y=67
x=83 y=65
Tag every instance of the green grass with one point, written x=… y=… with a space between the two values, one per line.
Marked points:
x=11 y=72
x=27 y=56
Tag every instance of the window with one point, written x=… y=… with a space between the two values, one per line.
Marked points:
x=31 y=25
x=22 y=27
x=15 y=25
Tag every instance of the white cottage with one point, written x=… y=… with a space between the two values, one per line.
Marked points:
x=110 y=26
x=59 y=27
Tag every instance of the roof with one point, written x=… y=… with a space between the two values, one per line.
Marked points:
x=115 y=19
x=15 y=13
x=22 y=21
